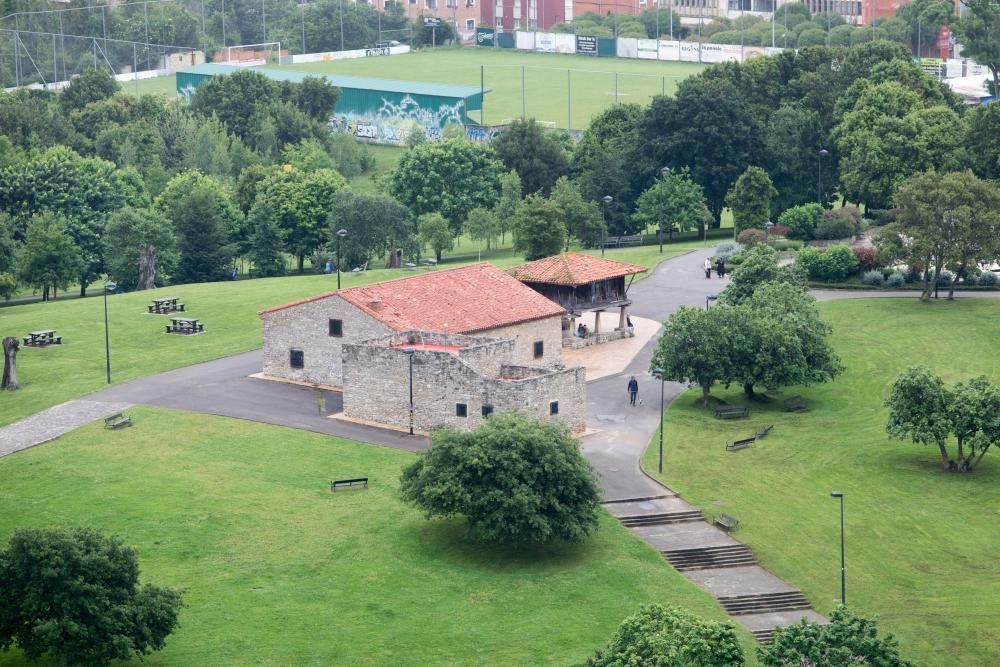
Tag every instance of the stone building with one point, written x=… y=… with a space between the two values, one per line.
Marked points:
x=303 y=340
x=454 y=380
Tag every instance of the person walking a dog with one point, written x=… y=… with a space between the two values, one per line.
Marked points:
x=633 y=390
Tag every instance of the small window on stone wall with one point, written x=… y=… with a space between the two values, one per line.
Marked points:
x=539 y=349
x=461 y=410
x=553 y=407
x=297 y=359
x=487 y=410
x=337 y=328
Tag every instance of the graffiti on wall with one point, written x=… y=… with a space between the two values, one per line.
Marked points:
x=393 y=121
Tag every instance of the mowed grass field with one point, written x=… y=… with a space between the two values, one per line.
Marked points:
x=921 y=543
x=558 y=89
x=276 y=570
x=140 y=347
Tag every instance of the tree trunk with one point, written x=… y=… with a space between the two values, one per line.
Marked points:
x=83 y=290
x=748 y=389
x=980 y=458
x=147 y=267
x=10 y=346
x=954 y=279
x=926 y=294
x=302 y=263
x=45 y=293
x=437 y=255
x=945 y=463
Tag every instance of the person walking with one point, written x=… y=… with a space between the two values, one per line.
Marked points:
x=708 y=267
x=720 y=267
x=633 y=390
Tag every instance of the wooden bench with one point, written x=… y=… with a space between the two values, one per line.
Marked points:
x=763 y=431
x=737 y=445
x=630 y=240
x=42 y=338
x=184 y=325
x=117 y=420
x=731 y=411
x=334 y=483
x=726 y=522
x=795 y=404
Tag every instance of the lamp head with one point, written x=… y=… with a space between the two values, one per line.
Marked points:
x=823 y=152
x=111 y=287
x=712 y=297
x=607 y=199
x=341 y=233
x=836 y=494
x=769 y=224
x=665 y=171
x=658 y=373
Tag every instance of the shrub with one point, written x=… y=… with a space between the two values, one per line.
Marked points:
x=867 y=258
x=801 y=221
x=882 y=216
x=834 y=227
x=539 y=487
x=785 y=244
x=847 y=640
x=971 y=280
x=811 y=261
x=779 y=230
x=987 y=279
x=874 y=278
x=735 y=260
x=727 y=250
x=896 y=280
x=840 y=263
x=751 y=237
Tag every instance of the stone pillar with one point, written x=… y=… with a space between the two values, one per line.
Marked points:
x=621 y=318
x=597 y=322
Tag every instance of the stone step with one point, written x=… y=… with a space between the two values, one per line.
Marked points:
x=764 y=602
x=764 y=637
x=661 y=518
x=733 y=555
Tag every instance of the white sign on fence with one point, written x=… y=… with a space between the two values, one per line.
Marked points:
x=345 y=55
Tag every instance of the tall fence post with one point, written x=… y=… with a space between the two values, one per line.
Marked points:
x=523 y=103
x=482 y=94
x=135 y=69
x=569 y=101
x=616 y=87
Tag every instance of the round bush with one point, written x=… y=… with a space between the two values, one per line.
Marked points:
x=811 y=261
x=874 y=278
x=751 y=237
x=970 y=280
x=987 y=279
x=895 y=280
x=839 y=263
x=833 y=228
x=728 y=249
x=867 y=258
x=801 y=221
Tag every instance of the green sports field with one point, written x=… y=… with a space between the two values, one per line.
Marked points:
x=557 y=88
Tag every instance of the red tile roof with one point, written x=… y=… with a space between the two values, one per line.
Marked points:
x=572 y=268
x=465 y=300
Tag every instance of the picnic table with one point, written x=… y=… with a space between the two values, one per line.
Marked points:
x=185 y=325
x=42 y=338
x=165 y=305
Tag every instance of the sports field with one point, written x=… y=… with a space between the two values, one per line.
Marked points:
x=558 y=89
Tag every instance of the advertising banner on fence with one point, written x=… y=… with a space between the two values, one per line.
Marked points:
x=524 y=41
x=485 y=37
x=720 y=53
x=627 y=47
x=344 y=55
x=670 y=50
x=752 y=52
x=545 y=42
x=586 y=45
x=565 y=43
x=646 y=49
x=688 y=52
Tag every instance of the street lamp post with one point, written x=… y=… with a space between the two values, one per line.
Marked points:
x=710 y=297
x=767 y=231
x=819 y=189
x=341 y=233
x=110 y=287
x=658 y=373
x=659 y=229
x=843 y=571
x=409 y=353
x=607 y=199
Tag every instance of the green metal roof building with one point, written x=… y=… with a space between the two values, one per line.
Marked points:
x=375 y=110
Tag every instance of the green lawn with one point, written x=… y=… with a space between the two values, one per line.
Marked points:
x=139 y=347
x=277 y=570
x=548 y=96
x=921 y=544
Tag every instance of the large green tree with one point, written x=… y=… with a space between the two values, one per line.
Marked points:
x=48 y=260
x=750 y=199
x=536 y=157
x=670 y=637
x=450 y=177
x=674 y=202
x=510 y=198
x=265 y=239
x=581 y=218
x=141 y=248
x=74 y=596
x=375 y=224
x=847 y=640
x=513 y=479
x=689 y=349
x=539 y=230
x=90 y=86
x=434 y=232
x=795 y=138
x=758 y=268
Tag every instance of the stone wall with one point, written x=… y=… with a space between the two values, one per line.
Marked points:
x=306 y=327
x=377 y=385
x=547 y=330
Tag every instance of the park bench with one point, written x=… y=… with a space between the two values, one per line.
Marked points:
x=42 y=338
x=117 y=420
x=630 y=240
x=731 y=411
x=763 y=431
x=165 y=306
x=334 y=483
x=795 y=404
x=726 y=522
x=737 y=445
x=185 y=325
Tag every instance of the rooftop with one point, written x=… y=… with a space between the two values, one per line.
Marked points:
x=573 y=268
x=463 y=300
x=345 y=81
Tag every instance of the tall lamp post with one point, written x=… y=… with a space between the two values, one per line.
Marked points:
x=658 y=373
x=819 y=188
x=659 y=229
x=110 y=287
x=843 y=575
x=341 y=233
x=607 y=199
x=710 y=297
x=767 y=230
x=409 y=353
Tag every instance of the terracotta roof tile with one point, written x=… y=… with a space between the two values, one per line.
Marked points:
x=467 y=299
x=572 y=268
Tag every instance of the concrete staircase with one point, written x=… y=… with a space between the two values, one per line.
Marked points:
x=764 y=602
x=708 y=557
x=661 y=518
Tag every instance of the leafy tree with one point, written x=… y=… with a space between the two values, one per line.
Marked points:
x=90 y=86
x=316 y=97
x=918 y=405
x=983 y=140
x=265 y=239
x=138 y=241
x=657 y=26
x=539 y=230
x=435 y=232
x=582 y=219
x=978 y=31
x=674 y=201
x=750 y=199
x=482 y=225
x=303 y=202
x=307 y=155
x=848 y=640
x=203 y=218
x=539 y=487
x=975 y=416
x=249 y=184
x=536 y=157
x=689 y=350
x=74 y=595
x=375 y=224
x=450 y=177
x=510 y=198
x=670 y=637
x=48 y=260
x=759 y=267
x=8 y=257
x=235 y=100
x=794 y=139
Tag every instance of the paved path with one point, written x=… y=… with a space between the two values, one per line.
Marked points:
x=50 y=424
